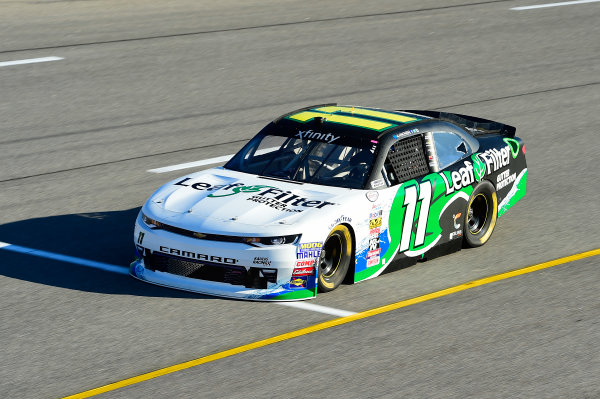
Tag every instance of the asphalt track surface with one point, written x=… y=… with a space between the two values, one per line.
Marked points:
x=146 y=84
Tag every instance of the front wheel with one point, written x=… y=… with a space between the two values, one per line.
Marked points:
x=334 y=259
x=480 y=218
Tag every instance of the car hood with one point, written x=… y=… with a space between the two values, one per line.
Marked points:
x=218 y=198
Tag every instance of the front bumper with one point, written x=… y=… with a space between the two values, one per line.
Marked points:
x=277 y=293
x=232 y=270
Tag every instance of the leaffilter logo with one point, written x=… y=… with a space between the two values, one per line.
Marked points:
x=478 y=167
x=243 y=189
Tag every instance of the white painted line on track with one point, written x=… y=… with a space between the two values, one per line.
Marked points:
x=30 y=61
x=317 y=308
x=194 y=164
x=64 y=258
x=204 y=162
x=564 y=3
x=124 y=270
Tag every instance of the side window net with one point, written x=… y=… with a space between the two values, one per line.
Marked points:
x=408 y=159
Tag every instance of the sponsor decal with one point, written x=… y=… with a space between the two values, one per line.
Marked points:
x=287 y=198
x=504 y=179
x=305 y=263
x=478 y=167
x=242 y=189
x=456 y=219
x=201 y=186
x=373 y=243
x=372 y=195
x=373 y=253
x=460 y=178
x=198 y=256
x=456 y=234
x=377 y=183
x=375 y=213
x=311 y=134
x=373 y=261
x=304 y=271
x=273 y=203
x=273 y=197
x=485 y=163
x=495 y=159
x=341 y=219
x=299 y=282
x=309 y=250
x=259 y=260
x=373 y=223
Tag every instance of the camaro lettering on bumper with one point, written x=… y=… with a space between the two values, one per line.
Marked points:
x=199 y=256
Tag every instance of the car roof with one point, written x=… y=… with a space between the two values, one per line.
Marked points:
x=370 y=123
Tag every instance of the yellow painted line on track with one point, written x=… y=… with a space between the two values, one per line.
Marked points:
x=329 y=324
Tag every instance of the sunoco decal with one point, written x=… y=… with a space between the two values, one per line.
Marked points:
x=298 y=282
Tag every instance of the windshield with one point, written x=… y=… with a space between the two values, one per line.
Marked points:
x=304 y=160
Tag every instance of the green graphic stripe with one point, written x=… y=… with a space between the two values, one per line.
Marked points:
x=300 y=294
x=515 y=194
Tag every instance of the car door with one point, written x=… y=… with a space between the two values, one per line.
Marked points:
x=433 y=178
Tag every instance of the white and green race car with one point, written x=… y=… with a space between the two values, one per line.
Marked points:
x=330 y=194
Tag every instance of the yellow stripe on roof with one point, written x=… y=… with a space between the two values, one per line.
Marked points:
x=369 y=112
x=306 y=116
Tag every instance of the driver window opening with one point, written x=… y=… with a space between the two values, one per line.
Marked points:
x=406 y=160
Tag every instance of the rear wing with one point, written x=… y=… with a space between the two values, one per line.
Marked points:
x=477 y=126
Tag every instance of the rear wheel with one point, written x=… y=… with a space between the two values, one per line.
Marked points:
x=334 y=260
x=480 y=218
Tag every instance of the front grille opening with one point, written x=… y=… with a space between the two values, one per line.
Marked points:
x=255 y=277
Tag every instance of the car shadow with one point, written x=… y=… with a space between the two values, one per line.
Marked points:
x=100 y=236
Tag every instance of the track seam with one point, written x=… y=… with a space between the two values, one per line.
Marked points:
x=244 y=140
x=243 y=28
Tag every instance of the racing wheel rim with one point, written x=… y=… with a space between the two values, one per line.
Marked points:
x=480 y=215
x=331 y=256
x=477 y=214
x=334 y=259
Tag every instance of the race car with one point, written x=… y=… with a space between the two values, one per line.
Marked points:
x=330 y=194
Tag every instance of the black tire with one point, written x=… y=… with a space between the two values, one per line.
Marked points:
x=481 y=214
x=334 y=259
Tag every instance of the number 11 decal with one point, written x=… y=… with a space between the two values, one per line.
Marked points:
x=410 y=205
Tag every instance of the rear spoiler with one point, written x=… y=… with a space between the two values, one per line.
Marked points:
x=477 y=126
